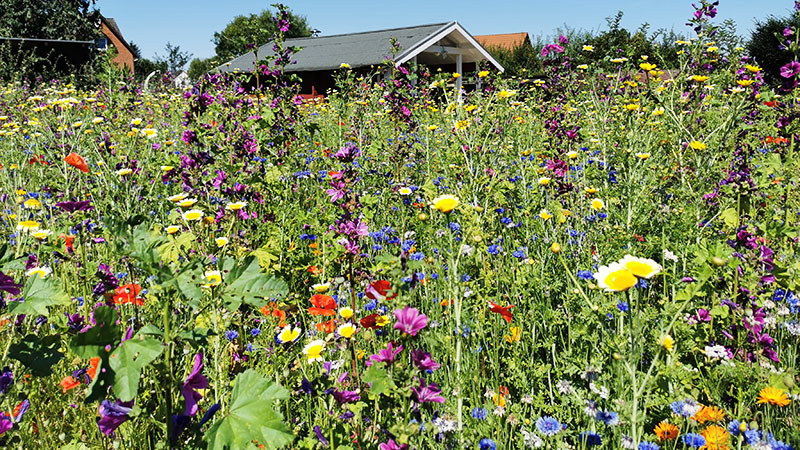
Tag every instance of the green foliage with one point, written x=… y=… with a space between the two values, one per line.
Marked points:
x=40 y=294
x=175 y=59
x=765 y=42
x=256 y=29
x=244 y=283
x=39 y=355
x=201 y=66
x=128 y=360
x=251 y=417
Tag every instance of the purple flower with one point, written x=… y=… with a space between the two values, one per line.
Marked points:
x=347 y=153
x=75 y=206
x=409 y=320
x=23 y=408
x=112 y=415
x=320 y=436
x=6 y=380
x=427 y=392
x=386 y=355
x=423 y=361
x=195 y=380
x=392 y=445
x=5 y=424
x=7 y=284
x=345 y=396
x=790 y=70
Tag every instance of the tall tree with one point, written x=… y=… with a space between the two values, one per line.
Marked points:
x=175 y=59
x=254 y=29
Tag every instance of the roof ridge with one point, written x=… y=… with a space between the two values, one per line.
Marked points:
x=371 y=31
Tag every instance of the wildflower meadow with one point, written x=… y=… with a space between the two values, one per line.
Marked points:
x=603 y=256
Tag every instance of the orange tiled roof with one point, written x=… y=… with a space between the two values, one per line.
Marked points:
x=508 y=41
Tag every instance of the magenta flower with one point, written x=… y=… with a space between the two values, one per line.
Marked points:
x=112 y=415
x=423 y=360
x=5 y=424
x=392 y=445
x=195 y=380
x=386 y=355
x=790 y=70
x=427 y=393
x=409 y=320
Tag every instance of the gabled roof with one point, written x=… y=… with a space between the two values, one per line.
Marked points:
x=362 y=49
x=507 y=41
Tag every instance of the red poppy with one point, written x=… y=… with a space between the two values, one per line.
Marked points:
x=379 y=289
x=369 y=321
x=324 y=305
x=37 y=159
x=128 y=294
x=327 y=327
x=314 y=270
x=70 y=382
x=75 y=160
x=502 y=310
x=272 y=310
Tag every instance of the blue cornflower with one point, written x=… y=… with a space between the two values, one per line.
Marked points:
x=487 y=444
x=733 y=427
x=548 y=426
x=648 y=446
x=417 y=256
x=623 y=306
x=454 y=226
x=693 y=439
x=255 y=332
x=465 y=278
x=590 y=438
x=494 y=249
x=520 y=253
x=609 y=418
x=479 y=413
x=249 y=348
x=499 y=210
x=585 y=274
x=677 y=407
x=506 y=220
x=231 y=334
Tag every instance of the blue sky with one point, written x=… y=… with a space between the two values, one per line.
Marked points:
x=191 y=24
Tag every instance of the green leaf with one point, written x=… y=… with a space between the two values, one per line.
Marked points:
x=151 y=330
x=102 y=382
x=39 y=294
x=38 y=355
x=7 y=261
x=174 y=248
x=250 y=416
x=720 y=311
x=94 y=341
x=198 y=337
x=187 y=281
x=128 y=360
x=264 y=256
x=245 y=283
x=731 y=217
x=144 y=246
x=380 y=382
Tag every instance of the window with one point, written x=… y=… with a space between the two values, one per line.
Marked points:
x=101 y=43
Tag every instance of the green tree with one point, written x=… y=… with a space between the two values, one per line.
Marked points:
x=768 y=46
x=254 y=29
x=175 y=59
x=200 y=66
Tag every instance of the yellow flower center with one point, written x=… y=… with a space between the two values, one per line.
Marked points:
x=620 y=280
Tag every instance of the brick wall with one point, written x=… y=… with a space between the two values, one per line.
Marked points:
x=124 y=56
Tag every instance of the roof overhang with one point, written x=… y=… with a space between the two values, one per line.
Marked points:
x=453 y=37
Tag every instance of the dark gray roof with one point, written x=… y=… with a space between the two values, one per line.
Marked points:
x=329 y=52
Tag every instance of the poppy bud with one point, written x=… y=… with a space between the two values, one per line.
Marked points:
x=717 y=261
x=422 y=216
x=555 y=248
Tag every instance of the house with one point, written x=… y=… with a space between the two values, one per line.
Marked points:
x=507 y=41
x=113 y=37
x=447 y=46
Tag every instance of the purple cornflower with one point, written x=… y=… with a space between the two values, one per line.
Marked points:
x=423 y=361
x=427 y=392
x=6 y=380
x=112 y=415
x=409 y=320
x=386 y=355
x=195 y=380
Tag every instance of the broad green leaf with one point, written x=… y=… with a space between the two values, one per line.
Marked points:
x=7 y=261
x=731 y=217
x=197 y=337
x=264 y=256
x=152 y=330
x=246 y=284
x=175 y=247
x=187 y=282
x=94 y=341
x=380 y=382
x=128 y=360
x=39 y=293
x=38 y=355
x=144 y=245
x=251 y=416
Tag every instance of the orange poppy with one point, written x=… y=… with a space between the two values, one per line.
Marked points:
x=75 y=160
x=502 y=310
x=128 y=294
x=70 y=382
x=328 y=327
x=324 y=305
x=272 y=310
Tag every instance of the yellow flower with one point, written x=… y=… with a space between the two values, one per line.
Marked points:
x=588 y=48
x=632 y=107
x=28 y=226
x=516 y=332
x=32 y=203
x=647 y=66
x=97 y=120
x=313 y=350
x=555 y=247
x=572 y=154
x=505 y=93
x=699 y=78
x=598 y=204
x=697 y=145
x=382 y=321
x=149 y=133
x=716 y=438
x=615 y=278
x=346 y=312
x=752 y=69
x=462 y=125
x=344 y=66
x=235 y=206
x=619 y=60
x=193 y=214
x=591 y=190
x=404 y=191
x=186 y=203
x=667 y=342
x=41 y=234
x=221 y=241
x=773 y=396
x=166 y=168
x=445 y=203
x=499 y=400
x=456 y=75
x=136 y=122
x=172 y=229
x=545 y=215
x=346 y=330
x=123 y=172
x=288 y=334
x=321 y=288
x=214 y=278
x=745 y=83
x=582 y=66
x=642 y=156
x=544 y=181
x=640 y=267
x=483 y=73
